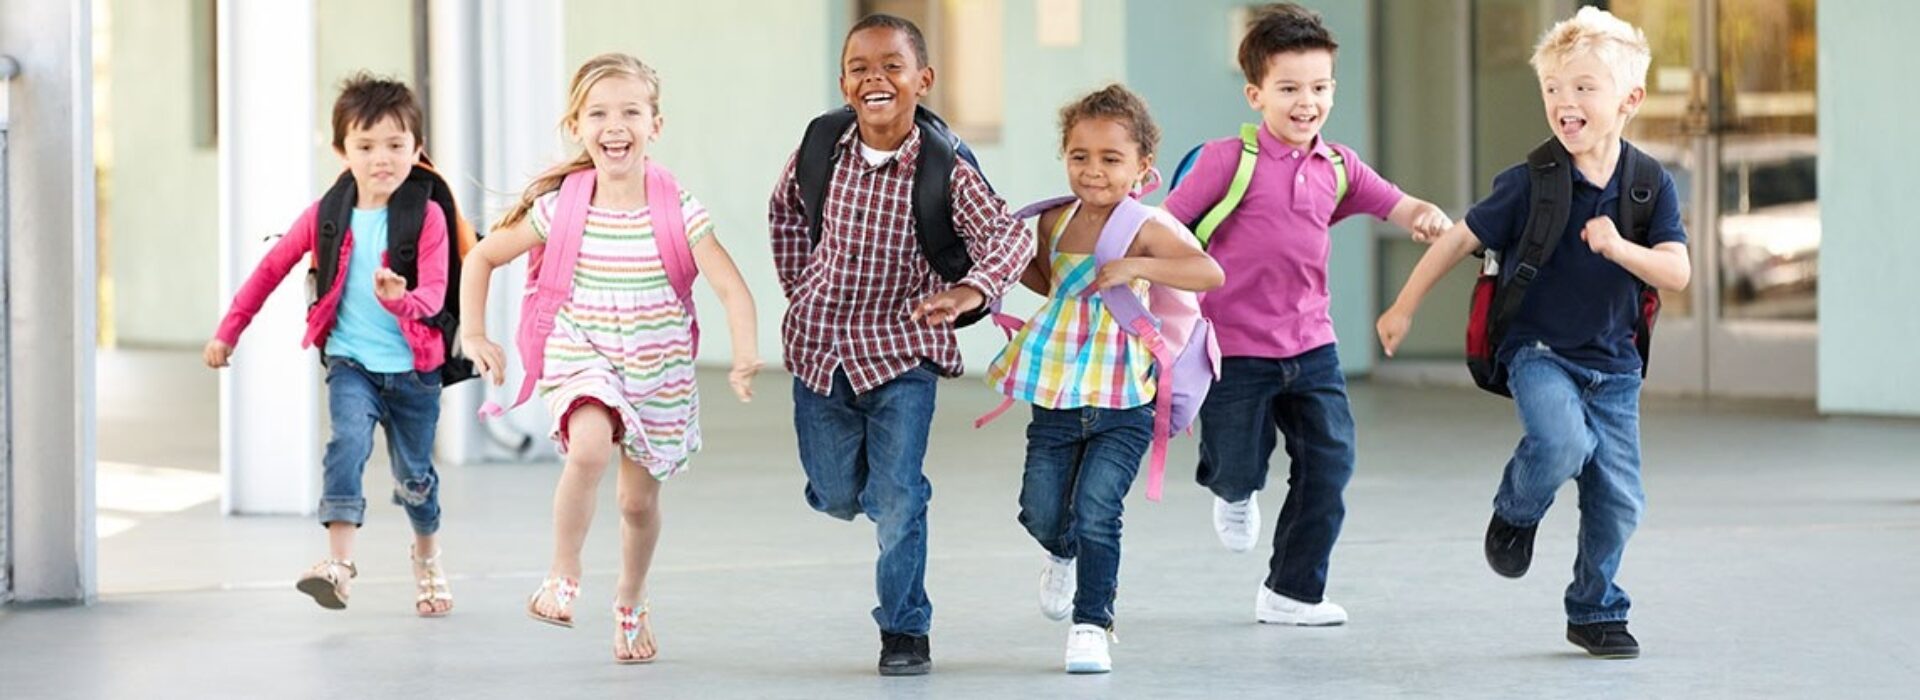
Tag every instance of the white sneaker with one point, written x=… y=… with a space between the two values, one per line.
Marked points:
x=1275 y=609
x=1057 y=584
x=1238 y=524
x=1087 y=650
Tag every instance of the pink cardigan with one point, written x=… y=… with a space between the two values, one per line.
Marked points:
x=423 y=301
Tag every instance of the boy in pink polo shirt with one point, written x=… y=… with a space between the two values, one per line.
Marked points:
x=1280 y=371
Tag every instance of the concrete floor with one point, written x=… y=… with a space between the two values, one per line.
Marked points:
x=1777 y=559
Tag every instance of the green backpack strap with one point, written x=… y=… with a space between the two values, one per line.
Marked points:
x=1339 y=176
x=1249 y=154
x=1243 y=175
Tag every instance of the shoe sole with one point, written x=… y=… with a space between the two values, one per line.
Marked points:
x=906 y=671
x=1088 y=667
x=1604 y=654
x=323 y=593
x=1295 y=623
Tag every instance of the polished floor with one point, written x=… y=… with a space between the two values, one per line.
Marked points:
x=1780 y=557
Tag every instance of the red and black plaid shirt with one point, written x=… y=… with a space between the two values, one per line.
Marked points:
x=850 y=298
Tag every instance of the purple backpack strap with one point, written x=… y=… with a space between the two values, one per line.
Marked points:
x=549 y=283
x=670 y=236
x=1008 y=323
x=1122 y=227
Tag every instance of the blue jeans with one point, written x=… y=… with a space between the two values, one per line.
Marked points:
x=865 y=453
x=1581 y=425
x=407 y=404
x=1305 y=399
x=1080 y=464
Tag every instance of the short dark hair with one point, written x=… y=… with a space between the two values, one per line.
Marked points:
x=365 y=100
x=1118 y=103
x=1279 y=28
x=880 y=20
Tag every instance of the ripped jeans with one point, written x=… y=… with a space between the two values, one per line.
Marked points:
x=407 y=405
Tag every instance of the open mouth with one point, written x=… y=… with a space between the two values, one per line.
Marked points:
x=616 y=150
x=1572 y=126
x=1305 y=121
x=877 y=100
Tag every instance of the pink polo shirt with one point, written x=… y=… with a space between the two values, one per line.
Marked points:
x=1274 y=247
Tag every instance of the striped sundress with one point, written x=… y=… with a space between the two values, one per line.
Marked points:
x=623 y=339
x=1072 y=354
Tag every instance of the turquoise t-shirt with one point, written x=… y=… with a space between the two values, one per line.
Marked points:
x=363 y=330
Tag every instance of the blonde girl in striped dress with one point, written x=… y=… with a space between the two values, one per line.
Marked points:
x=1091 y=384
x=618 y=366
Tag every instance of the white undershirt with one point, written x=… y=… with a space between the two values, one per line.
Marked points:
x=874 y=156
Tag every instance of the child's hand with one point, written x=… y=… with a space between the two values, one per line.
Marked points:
x=943 y=308
x=216 y=353
x=1601 y=236
x=487 y=357
x=1117 y=273
x=740 y=378
x=1392 y=328
x=389 y=285
x=1429 y=223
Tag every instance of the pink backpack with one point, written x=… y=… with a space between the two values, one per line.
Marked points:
x=1186 y=356
x=550 y=267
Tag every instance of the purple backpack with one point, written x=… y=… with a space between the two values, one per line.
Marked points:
x=1186 y=356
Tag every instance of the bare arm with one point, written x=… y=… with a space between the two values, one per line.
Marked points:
x=1665 y=266
x=1164 y=256
x=727 y=283
x=1426 y=221
x=1453 y=246
x=476 y=275
x=1039 y=273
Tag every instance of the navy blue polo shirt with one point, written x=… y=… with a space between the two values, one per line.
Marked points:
x=1581 y=305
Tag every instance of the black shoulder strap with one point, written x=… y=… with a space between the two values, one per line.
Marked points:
x=813 y=167
x=336 y=209
x=406 y=214
x=1642 y=179
x=933 y=198
x=1550 y=171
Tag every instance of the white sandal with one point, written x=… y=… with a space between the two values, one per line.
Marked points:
x=629 y=620
x=563 y=589
x=432 y=585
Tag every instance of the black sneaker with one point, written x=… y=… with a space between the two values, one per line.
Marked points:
x=1509 y=547
x=1606 y=640
x=904 y=655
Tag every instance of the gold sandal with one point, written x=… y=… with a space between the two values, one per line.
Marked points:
x=324 y=583
x=432 y=585
x=633 y=623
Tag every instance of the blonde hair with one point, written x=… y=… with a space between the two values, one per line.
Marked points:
x=1596 y=32
x=596 y=69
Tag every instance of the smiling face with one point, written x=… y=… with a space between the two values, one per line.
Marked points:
x=1103 y=161
x=615 y=123
x=1295 y=96
x=1585 y=104
x=882 y=79
x=380 y=156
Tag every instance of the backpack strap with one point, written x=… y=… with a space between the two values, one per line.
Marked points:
x=670 y=237
x=1133 y=317
x=1550 y=170
x=1641 y=176
x=330 y=232
x=550 y=283
x=1237 y=190
x=1339 y=175
x=813 y=164
x=460 y=239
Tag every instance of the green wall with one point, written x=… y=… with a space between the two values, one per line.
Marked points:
x=1869 y=329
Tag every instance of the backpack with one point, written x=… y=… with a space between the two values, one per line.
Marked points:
x=1495 y=301
x=1185 y=355
x=945 y=252
x=1242 y=176
x=406 y=214
x=550 y=267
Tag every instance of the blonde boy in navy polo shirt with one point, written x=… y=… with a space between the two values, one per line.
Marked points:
x=1571 y=362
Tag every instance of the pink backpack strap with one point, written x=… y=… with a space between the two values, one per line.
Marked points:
x=550 y=283
x=1116 y=237
x=670 y=236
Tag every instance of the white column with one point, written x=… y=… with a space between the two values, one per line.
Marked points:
x=270 y=397
x=50 y=308
x=522 y=94
x=453 y=46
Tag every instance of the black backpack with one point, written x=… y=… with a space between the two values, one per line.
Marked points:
x=946 y=253
x=1496 y=301
x=406 y=214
